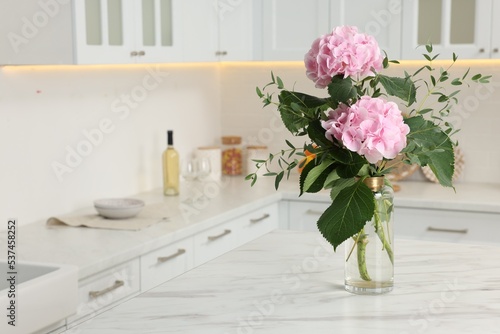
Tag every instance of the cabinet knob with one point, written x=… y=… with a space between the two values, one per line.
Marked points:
x=133 y=54
x=495 y=50
x=141 y=53
x=481 y=50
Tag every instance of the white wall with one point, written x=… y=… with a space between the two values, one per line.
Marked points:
x=478 y=114
x=45 y=112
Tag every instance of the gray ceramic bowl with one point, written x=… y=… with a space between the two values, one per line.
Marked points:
x=118 y=208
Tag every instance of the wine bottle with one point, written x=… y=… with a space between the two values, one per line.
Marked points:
x=170 y=167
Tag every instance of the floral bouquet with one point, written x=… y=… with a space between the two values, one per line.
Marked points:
x=355 y=132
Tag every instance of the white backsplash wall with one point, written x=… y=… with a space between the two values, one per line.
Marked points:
x=478 y=115
x=114 y=117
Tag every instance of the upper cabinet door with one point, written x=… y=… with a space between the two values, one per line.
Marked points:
x=379 y=18
x=495 y=30
x=124 y=32
x=463 y=27
x=236 y=29
x=103 y=32
x=290 y=26
x=158 y=31
x=36 y=32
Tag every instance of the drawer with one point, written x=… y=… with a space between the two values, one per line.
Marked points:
x=447 y=225
x=166 y=263
x=224 y=237
x=102 y=290
x=303 y=216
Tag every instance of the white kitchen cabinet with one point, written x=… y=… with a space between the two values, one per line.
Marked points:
x=166 y=263
x=304 y=215
x=290 y=26
x=224 y=237
x=122 y=32
x=36 y=32
x=379 y=18
x=413 y=223
x=466 y=27
x=103 y=290
x=447 y=225
x=218 y=31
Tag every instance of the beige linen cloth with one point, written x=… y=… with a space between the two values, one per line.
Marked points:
x=149 y=215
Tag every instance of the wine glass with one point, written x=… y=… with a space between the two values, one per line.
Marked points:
x=204 y=168
x=189 y=169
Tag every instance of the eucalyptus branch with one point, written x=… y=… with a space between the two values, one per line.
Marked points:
x=285 y=166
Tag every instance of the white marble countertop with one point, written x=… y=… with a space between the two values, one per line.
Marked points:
x=291 y=282
x=93 y=250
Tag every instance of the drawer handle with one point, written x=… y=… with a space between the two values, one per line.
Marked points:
x=314 y=212
x=256 y=220
x=435 y=229
x=162 y=259
x=215 y=237
x=95 y=294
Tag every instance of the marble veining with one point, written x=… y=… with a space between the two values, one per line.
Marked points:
x=292 y=282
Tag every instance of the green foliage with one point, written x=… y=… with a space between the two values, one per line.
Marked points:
x=348 y=213
x=336 y=168
x=429 y=145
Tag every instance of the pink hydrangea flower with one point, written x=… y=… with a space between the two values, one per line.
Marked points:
x=372 y=127
x=345 y=52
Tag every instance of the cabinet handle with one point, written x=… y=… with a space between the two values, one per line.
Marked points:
x=256 y=220
x=95 y=294
x=481 y=50
x=162 y=259
x=495 y=50
x=141 y=53
x=133 y=54
x=221 y=53
x=215 y=237
x=313 y=212
x=435 y=229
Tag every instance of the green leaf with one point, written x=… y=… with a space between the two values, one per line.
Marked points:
x=347 y=214
x=259 y=93
x=428 y=47
x=339 y=185
x=429 y=145
x=317 y=134
x=404 y=88
x=341 y=90
x=303 y=175
x=476 y=77
x=278 y=179
x=316 y=177
x=349 y=162
x=331 y=179
x=280 y=83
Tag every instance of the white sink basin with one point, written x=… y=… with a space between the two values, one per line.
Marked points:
x=44 y=295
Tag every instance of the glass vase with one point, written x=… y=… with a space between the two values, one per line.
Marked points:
x=369 y=254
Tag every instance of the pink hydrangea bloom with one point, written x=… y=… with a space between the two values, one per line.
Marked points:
x=345 y=52
x=372 y=127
